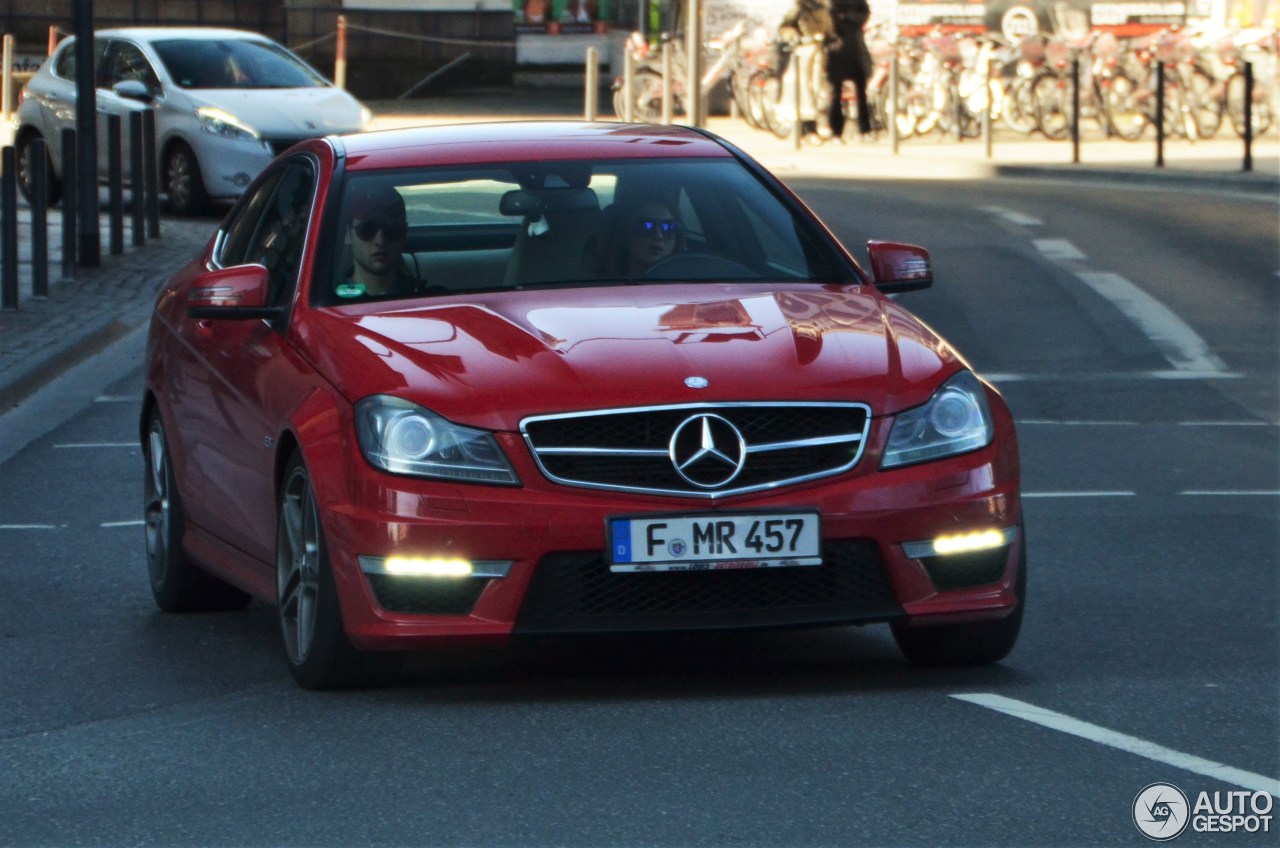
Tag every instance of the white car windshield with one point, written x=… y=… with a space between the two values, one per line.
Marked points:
x=234 y=63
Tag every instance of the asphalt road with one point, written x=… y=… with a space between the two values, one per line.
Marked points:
x=1135 y=336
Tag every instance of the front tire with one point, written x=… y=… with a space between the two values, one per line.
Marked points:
x=970 y=644
x=177 y=584
x=319 y=654
x=184 y=182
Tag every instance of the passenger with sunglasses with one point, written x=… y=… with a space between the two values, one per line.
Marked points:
x=375 y=239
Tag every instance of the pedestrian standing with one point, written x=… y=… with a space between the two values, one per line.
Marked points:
x=849 y=59
x=808 y=27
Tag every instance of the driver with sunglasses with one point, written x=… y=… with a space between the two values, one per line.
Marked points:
x=375 y=239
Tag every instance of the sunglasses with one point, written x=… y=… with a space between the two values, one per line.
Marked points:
x=393 y=230
x=651 y=228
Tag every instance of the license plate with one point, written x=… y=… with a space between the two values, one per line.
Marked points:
x=719 y=541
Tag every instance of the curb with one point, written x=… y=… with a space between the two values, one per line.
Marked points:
x=62 y=358
x=1243 y=182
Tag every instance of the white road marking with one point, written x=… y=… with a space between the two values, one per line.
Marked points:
x=1106 y=376
x=1078 y=423
x=1180 y=344
x=138 y=523
x=1103 y=494
x=115 y=399
x=1012 y=216
x=99 y=445
x=1047 y=422
x=28 y=527
x=1238 y=493
x=1059 y=250
x=1123 y=742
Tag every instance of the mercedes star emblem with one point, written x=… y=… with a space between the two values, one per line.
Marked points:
x=707 y=451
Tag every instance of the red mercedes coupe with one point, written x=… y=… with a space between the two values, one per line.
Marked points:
x=461 y=384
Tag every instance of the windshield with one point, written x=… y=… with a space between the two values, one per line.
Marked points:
x=234 y=63
x=428 y=232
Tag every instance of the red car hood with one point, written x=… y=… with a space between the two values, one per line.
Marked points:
x=495 y=358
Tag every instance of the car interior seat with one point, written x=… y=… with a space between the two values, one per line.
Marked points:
x=555 y=230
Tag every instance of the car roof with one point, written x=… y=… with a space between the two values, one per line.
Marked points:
x=523 y=141
x=175 y=33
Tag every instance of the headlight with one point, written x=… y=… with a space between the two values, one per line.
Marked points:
x=366 y=119
x=224 y=124
x=403 y=438
x=955 y=420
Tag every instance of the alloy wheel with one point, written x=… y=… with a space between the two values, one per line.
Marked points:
x=298 y=565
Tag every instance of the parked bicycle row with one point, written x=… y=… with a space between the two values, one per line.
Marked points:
x=945 y=82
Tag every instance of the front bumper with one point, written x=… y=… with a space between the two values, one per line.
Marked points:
x=549 y=541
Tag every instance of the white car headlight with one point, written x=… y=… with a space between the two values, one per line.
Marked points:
x=225 y=124
x=403 y=438
x=955 y=420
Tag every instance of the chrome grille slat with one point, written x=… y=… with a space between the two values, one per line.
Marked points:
x=628 y=450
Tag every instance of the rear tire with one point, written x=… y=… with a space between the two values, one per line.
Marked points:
x=177 y=584
x=27 y=169
x=974 y=643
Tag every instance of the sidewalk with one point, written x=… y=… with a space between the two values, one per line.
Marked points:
x=46 y=336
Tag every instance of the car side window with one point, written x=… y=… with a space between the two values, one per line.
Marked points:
x=278 y=242
x=126 y=62
x=239 y=232
x=66 y=65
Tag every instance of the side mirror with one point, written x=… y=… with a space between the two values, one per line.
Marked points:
x=899 y=267
x=234 y=293
x=133 y=90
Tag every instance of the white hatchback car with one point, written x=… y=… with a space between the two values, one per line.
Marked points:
x=226 y=102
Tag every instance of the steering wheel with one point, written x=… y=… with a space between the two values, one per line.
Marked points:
x=698 y=265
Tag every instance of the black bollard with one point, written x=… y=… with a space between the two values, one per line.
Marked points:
x=69 y=200
x=1075 y=108
x=115 y=184
x=1159 y=113
x=1248 y=116
x=9 y=228
x=39 y=218
x=152 y=172
x=137 y=211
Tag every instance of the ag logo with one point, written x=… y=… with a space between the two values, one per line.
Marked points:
x=1161 y=811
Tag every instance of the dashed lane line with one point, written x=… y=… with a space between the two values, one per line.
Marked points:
x=1013 y=216
x=1080 y=494
x=1122 y=741
x=77 y=445
x=1058 y=250
x=1180 y=344
x=1107 y=376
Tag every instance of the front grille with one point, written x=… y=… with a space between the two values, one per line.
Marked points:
x=280 y=145
x=632 y=450
x=574 y=592
x=426 y=595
